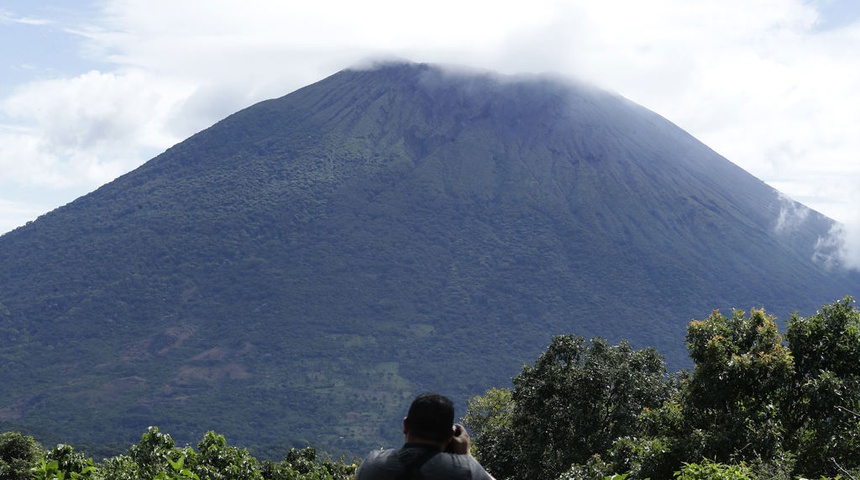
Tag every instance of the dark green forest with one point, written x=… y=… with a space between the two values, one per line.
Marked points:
x=755 y=405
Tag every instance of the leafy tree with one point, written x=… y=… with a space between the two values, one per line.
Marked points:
x=737 y=392
x=709 y=470
x=642 y=457
x=752 y=407
x=64 y=462
x=826 y=388
x=303 y=464
x=157 y=457
x=216 y=460
x=18 y=454
x=179 y=471
x=119 y=467
x=594 y=469
x=489 y=418
x=150 y=456
x=572 y=403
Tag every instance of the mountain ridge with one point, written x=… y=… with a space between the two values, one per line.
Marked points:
x=318 y=258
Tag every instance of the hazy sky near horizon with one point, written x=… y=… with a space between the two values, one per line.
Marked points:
x=91 y=89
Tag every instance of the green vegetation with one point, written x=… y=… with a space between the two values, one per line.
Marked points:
x=575 y=401
x=753 y=406
x=157 y=457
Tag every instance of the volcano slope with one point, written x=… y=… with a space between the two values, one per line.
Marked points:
x=298 y=271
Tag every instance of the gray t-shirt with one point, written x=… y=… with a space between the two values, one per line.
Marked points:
x=389 y=464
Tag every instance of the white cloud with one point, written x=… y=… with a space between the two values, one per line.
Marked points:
x=84 y=130
x=14 y=214
x=8 y=17
x=791 y=216
x=850 y=254
x=841 y=247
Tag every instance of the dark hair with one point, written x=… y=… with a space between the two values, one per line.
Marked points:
x=431 y=416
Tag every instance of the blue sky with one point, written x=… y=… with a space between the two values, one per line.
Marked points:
x=90 y=90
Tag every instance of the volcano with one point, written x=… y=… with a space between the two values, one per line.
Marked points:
x=297 y=272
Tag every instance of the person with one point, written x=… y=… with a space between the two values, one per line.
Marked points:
x=434 y=447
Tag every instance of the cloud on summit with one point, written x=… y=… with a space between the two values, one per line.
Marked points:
x=762 y=83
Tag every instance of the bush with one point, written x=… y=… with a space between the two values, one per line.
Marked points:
x=708 y=470
x=18 y=455
x=157 y=457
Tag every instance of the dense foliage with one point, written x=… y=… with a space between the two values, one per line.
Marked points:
x=157 y=457
x=575 y=400
x=753 y=406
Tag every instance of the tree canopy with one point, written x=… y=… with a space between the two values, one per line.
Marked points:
x=754 y=405
x=158 y=457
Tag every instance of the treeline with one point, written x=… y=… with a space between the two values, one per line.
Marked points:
x=157 y=457
x=754 y=406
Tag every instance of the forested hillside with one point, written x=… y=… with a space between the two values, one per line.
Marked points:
x=297 y=272
x=754 y=407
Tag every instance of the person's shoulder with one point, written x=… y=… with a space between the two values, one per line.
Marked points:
x=458 y=466
x=379 y=464
x=476 y=469
x=381 y=454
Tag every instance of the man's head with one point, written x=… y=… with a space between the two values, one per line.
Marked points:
x=430 y=417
